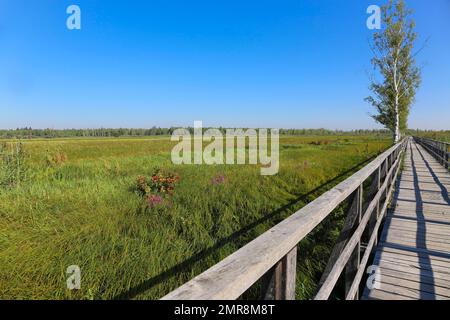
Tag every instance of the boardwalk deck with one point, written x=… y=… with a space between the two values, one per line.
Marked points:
x=413 y=255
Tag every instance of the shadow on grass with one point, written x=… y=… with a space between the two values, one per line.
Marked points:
x=188 y=263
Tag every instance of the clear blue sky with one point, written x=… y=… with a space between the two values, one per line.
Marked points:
x=233 y=63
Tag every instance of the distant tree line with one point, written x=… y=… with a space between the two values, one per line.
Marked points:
x=29 y=133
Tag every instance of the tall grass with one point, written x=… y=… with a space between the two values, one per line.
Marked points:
x=13 y=169
x=85 y=211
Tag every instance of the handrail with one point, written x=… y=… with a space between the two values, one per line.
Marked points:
x=341 y=262
x=275 y=250
x=438 y=149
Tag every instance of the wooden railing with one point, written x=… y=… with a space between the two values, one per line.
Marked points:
x=439 y=150
x=274 y=253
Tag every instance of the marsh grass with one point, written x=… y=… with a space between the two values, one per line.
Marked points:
x=85 y=211
x=13 y=166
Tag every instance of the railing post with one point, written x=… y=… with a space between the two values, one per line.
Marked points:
x=386 y=170
x=378 y=188
x=375 y=186
x=446 y=157
x=350 y=224
x=353 y=263
x=443 y=153
x=280 y=283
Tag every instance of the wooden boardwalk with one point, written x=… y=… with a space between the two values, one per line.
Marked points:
x=412 y=258
x=413 y=255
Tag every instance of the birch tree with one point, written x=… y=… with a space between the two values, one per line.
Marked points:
x=397 y=77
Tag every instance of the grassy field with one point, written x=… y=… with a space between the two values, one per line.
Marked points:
x=76 y=204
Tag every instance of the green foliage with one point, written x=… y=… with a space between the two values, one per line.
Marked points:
x=161 y=182
x=392 y=47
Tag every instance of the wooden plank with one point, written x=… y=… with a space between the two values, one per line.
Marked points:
x=353 y=215
x=423 y=207
x=418 y=244
x=407 y=255
x=414 y=232
x=416 y=250
x=443 y=211
x=408 y=292
x=281 y=284
x=416 y=265
x=413 y=276
x=433 y=233
x=411 y=236
x=351 y=269
x=421 y=226
x=415 y=285
x=384 y=295
x=439 y=218
x=290 y=274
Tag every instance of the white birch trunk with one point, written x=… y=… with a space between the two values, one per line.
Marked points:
x=397 y=121
x=396 y=102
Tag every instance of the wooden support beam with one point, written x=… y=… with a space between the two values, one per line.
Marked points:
x=353 y=263
x=281 y=280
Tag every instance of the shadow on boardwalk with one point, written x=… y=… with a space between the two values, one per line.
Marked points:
x=414 y=250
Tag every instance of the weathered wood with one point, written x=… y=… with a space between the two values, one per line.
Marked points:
x=373 y=189
x=353 y=264
x=383 y=295
x=413 y=255
x=235 y=274
x=272 y=283
x=281 y=285
x=352 y=293
x=353 y=216
x=385 y=270
x=410 y=236
x=289 y=274
x=414 y=285
x=411 y=293
x=432 y=261
x=328 y=285
x=420 y=264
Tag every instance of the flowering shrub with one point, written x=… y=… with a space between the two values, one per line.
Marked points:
x=159 y=185
x=163 y=182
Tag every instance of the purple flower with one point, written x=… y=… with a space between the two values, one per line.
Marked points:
x=153 y=200
x=220 y=179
